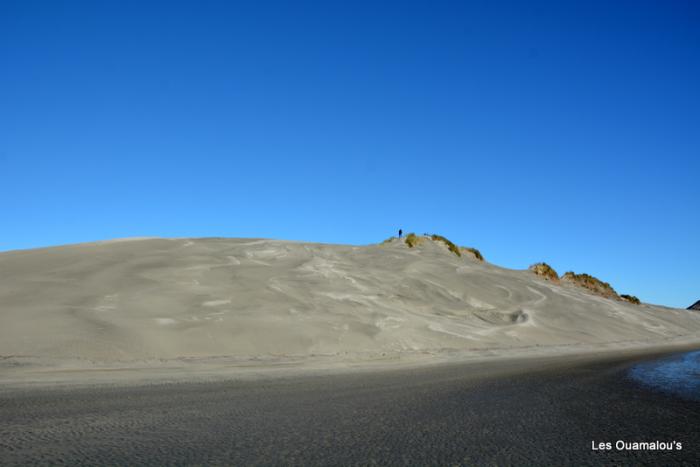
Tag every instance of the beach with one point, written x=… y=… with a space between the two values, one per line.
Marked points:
x=349 y=233
x=547 y=411
x=265 y=352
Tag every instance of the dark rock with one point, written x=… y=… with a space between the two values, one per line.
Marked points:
x=695 y=306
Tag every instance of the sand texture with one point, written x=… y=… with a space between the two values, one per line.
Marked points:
x=503 y=412
x=147 y=303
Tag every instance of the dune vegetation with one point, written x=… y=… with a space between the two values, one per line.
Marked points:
x=413 y=240
x=630 y=298
x=545 y=270
x=591 y=283
x=477 y=254
x=451 y=246
x=542 y=269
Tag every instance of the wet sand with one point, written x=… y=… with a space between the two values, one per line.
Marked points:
x=524 y=412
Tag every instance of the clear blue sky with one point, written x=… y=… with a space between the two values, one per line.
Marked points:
x=567 y=132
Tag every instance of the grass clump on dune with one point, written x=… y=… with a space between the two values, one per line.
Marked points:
x=388 y=240
x=477 y=254
x=591 y=283
x=630 y=298
x=451 y=246
x=545 y=270
x=412 y=240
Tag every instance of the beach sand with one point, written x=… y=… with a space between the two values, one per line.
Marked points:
x=534 y=411
x=262 y=352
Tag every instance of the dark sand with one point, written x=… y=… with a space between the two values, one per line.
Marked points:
x=531 y=412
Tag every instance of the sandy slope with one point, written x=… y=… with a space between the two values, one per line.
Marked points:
x=151 y=301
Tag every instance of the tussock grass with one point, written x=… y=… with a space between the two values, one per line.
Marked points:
x=388 y=240
x=545 y=270
x=451 y=246
x=591 y=283
x=413 y=240
x=477 y=254
x=630 y=299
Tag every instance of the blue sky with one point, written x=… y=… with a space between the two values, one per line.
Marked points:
x=567 y=132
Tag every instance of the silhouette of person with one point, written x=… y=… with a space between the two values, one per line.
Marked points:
x=400 y=233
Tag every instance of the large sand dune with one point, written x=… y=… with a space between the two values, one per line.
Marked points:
x=147 y=302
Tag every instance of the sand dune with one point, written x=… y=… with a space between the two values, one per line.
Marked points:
x=149 y=302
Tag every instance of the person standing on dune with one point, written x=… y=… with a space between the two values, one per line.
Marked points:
x=400 y=233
